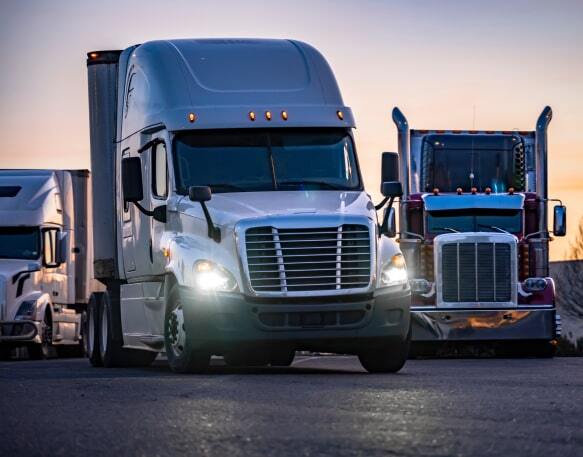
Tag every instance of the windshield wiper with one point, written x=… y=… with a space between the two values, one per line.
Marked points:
x=227 y=186
x=308 y=182
x=447 y=229
x=493 y=227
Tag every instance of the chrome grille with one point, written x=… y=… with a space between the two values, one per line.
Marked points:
x=476 y=272
x=308 y=259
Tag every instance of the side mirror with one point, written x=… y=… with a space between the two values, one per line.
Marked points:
x=62 y=248
x=560 y=220
x=392 y=189
x=390 y=167
x=131 y=179
x=199 y=193
x=389 y=225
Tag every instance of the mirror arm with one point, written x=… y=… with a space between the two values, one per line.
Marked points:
x=156 y=213
x=214 y=232
x=381 y=204
x=386 y=216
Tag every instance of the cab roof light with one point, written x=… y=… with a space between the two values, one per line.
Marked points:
x=488 y=191
x=474 y=191
x=511 y=190
x=340 y=115
x=191 y=117
x=284 y=115
x=459 y=191
x=252 y=116
x=436 y=191
x=93 y=55
x=268 y=115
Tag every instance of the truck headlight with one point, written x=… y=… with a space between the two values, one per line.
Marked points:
x=394 y=272
x=211 y=277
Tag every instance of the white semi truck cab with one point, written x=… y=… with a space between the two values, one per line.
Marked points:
x=44 y=267
x=230 y=212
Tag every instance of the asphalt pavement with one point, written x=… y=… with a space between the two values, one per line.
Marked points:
x=319 y=406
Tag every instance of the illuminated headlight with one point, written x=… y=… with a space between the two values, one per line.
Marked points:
x=211 y=277
x=394 y=272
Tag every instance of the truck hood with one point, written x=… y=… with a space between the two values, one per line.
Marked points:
x=10 y=267
x=229 y=208
x=9 y=301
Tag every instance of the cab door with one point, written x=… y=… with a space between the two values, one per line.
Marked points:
x=127 y=217
x=146 y=230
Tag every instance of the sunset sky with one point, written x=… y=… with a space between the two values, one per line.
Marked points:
x=440 y=61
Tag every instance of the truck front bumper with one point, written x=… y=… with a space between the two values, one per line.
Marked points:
x=19 y=331
x=521 y=323
x=334 y=324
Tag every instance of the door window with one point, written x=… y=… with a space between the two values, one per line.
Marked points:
x=159 y=171
x=50 y=238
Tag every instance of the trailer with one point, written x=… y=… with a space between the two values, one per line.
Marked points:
x=230 y=213
x=44 y=260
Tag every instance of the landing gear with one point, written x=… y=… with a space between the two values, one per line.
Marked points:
x=183 y=356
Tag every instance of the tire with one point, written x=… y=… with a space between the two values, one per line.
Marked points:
x=182 y=355
x=5 y=352
x=544 y=350
x=525 y=349
x=110 y=345
x=389 y=359
x=44 y=349
x=282 y=358
x=91 y=332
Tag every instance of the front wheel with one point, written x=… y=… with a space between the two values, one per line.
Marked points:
x=183 y=356
x=388 y=359
x=44 y=350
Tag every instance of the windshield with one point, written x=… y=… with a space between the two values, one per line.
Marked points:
x=475 y=221
x=19 y=243
x=262 y=160
x=476 y=161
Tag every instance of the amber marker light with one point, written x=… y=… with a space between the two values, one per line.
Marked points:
x=191 y=117
x=284 y=115
x=251 y=116
x=94 y=55
x=436 y=191
x=511 y=190
x=340 y=115
x=268 y=115
x=474 y=191
x=488 y=191
x=459 y=190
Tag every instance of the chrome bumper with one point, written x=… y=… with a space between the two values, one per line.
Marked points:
x=13 y=331
x=523 y=323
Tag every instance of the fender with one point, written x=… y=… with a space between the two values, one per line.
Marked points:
x=184 y=249
x=42 y=301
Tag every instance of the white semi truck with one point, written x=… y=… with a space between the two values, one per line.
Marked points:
x=230 y=216
x=44 y=269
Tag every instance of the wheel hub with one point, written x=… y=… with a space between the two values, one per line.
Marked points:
x=176 y=330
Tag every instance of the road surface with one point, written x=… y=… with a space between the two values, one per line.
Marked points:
x=319 y=406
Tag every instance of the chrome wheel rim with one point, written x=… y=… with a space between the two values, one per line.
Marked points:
x=176 y=330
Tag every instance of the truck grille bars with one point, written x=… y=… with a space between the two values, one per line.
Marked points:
x=308 y=259
x=476 y=272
